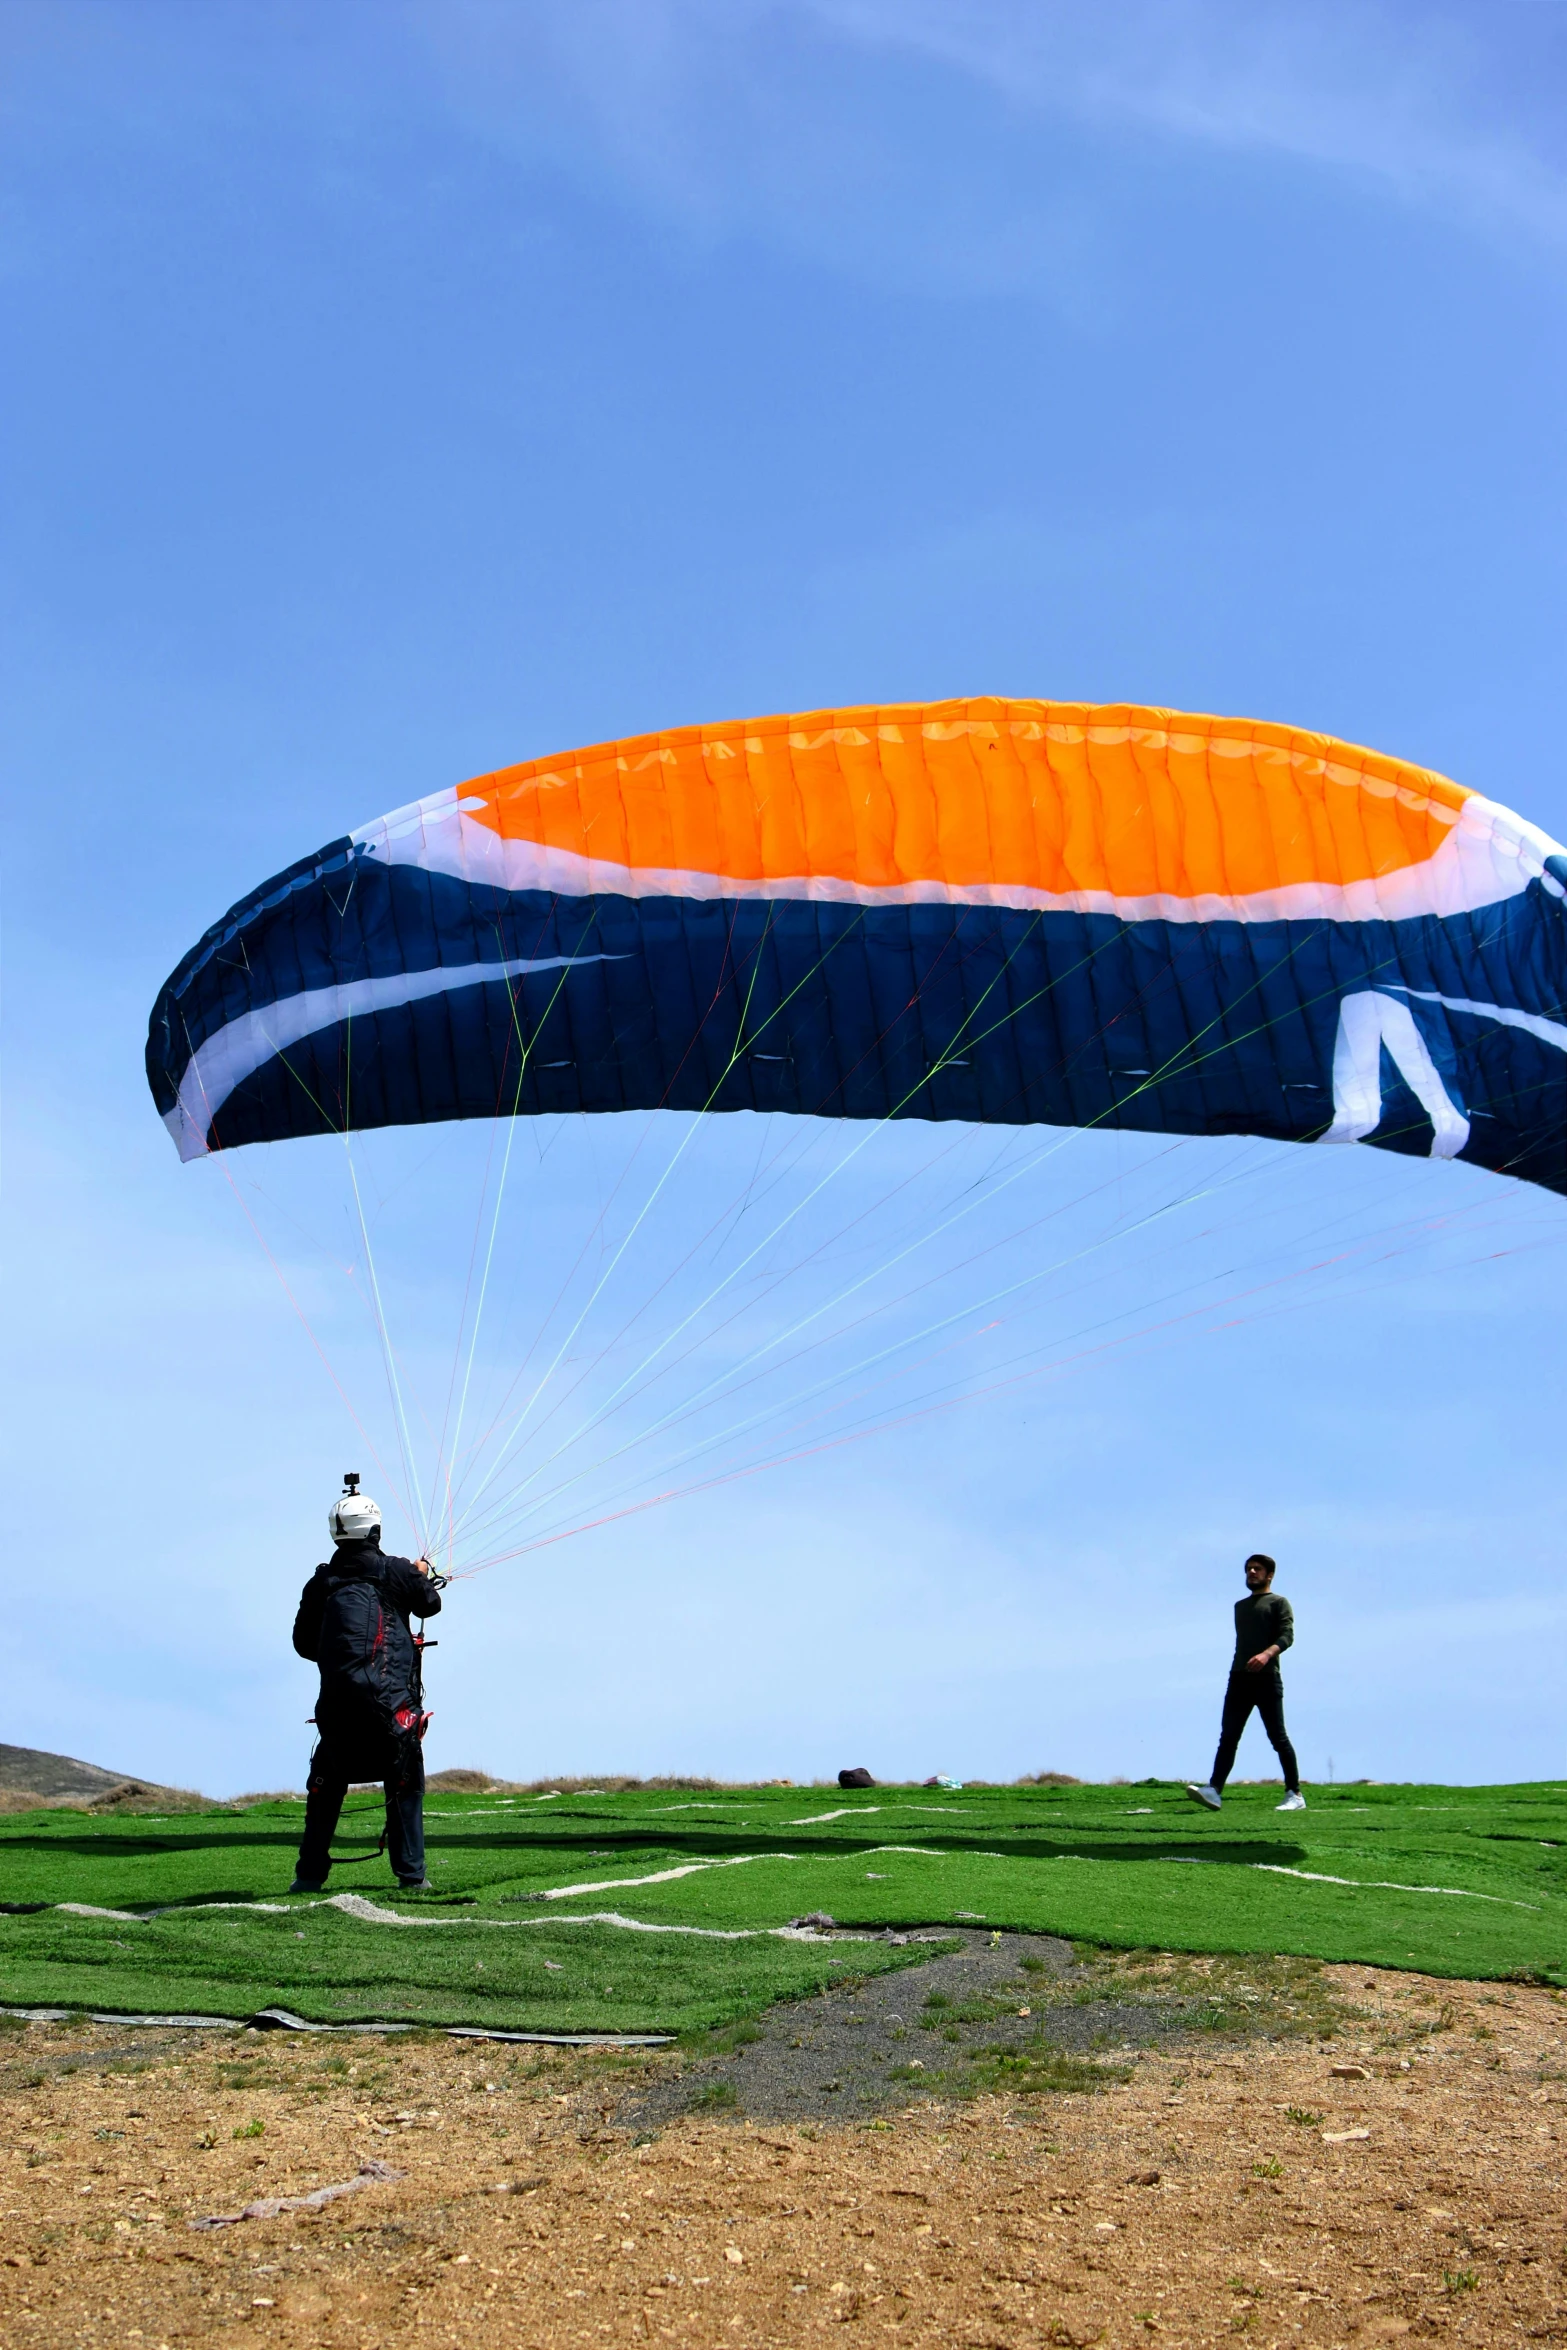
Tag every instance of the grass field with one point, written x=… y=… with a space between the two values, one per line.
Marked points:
x=649 y=1910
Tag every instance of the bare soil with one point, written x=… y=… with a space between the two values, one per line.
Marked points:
x=1290 y=2154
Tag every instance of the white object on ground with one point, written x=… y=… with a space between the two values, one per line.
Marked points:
x=369 y=2174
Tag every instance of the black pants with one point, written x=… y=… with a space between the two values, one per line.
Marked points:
x=1265 y=1691
x=336 y=1763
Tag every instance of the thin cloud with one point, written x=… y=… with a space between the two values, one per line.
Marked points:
x=1435 y=103
x=1453 y=108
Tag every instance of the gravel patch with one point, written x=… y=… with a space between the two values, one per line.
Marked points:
x=985 y=2006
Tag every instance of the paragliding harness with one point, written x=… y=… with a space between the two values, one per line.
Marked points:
x=409 y=1724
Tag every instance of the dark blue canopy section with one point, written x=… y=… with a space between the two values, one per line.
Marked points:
x=350 y=992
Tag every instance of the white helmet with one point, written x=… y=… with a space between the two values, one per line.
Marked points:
x=353 y=1516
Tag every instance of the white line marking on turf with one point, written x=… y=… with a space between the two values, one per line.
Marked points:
x=734 y=1860
x=370 y=1913
x=848 y=1811
x=1275 y=1868
x=1387 y=1885
x=355 y=1905
x=690 y=1868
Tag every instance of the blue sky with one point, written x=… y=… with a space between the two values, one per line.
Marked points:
x=399 y=391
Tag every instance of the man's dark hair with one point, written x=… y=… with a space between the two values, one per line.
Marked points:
x=1260 y=1558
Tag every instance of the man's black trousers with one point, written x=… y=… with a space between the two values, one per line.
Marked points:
x=339 y=1762
x=1265 y=1691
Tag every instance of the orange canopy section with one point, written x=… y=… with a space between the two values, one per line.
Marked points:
x=1053 y=796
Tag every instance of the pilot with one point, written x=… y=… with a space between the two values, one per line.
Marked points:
x=353 y=1622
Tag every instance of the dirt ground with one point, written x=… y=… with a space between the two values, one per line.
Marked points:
x=1362 y=2157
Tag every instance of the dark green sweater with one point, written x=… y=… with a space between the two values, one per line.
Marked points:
x=1263 y=1619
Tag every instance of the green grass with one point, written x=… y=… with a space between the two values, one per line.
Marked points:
x=1027 y=2072
x=1450 y=1881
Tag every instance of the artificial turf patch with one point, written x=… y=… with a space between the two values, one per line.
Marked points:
x=541 y=1901
x=330 y=1968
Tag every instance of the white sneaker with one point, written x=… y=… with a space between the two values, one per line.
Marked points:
x=1295 y=1802
x=1208 y=1795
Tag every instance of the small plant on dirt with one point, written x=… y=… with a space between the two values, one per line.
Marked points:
x=1307 y=2115
x=972 y=2011
x=251 y=2129
x=717 y=2097
x=1271 y=2169
x=1032 y=2072
x=1459 y=2280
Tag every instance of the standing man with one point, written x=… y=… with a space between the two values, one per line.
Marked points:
x=1264 y=1628
x=353 y=1623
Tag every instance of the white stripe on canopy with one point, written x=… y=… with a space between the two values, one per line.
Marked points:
x=239 y=1049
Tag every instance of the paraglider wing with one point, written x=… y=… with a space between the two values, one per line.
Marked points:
x=1011 y=912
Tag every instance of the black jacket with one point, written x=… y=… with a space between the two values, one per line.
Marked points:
x=353 y=1623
